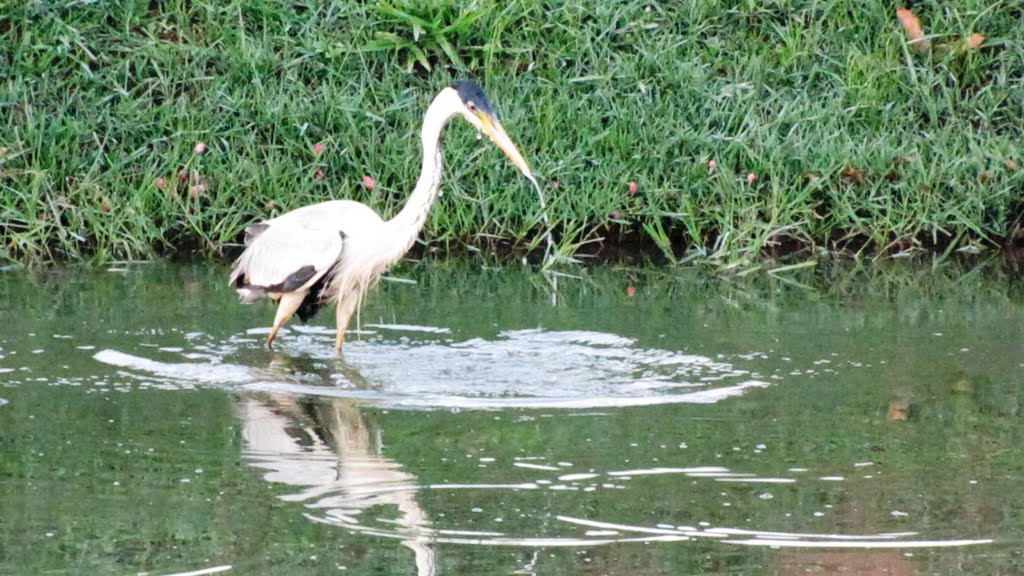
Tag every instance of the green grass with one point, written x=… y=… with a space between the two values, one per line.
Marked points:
x=859 y=145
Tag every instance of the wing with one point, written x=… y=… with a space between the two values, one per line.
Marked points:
x=286 y=256
x=295 y=250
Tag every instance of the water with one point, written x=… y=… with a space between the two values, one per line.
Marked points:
x=700 y=426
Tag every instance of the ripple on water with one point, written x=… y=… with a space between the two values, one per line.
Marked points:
x=354 y=486
x=517 y=369
x=404 y=366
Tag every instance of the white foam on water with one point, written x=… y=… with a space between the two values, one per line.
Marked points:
x=410 y=328
x=580 y=370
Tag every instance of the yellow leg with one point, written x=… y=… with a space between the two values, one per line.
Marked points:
x=287 y=306
x=344 y=312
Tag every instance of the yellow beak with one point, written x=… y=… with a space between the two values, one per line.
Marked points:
x=492 y=128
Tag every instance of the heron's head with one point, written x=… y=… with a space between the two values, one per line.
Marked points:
x=476 y=109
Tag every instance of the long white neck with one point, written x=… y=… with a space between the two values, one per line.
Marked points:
x=402 y=230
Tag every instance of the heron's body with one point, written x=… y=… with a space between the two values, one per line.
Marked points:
x=334 y=251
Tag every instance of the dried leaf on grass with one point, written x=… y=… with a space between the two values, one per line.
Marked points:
x=914 y=30
x=920 y=42
x=855 y=175
x=974 y=41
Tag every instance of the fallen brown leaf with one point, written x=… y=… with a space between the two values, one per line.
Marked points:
x=855 y=175
x=914 y=30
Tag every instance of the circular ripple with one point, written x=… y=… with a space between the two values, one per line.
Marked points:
x=518 y=369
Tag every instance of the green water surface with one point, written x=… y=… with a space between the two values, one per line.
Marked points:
x=861 y=422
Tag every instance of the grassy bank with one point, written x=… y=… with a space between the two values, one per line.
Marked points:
x=746 y=126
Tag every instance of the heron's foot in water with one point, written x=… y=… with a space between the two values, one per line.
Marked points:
x=271 y=337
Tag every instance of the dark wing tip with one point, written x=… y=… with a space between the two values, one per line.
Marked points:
x=294 y=281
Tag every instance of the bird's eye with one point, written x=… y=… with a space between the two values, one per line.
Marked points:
x=471 y=105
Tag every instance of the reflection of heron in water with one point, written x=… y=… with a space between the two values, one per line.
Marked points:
x=328 y=449
x=334 y=251
x=316 y=372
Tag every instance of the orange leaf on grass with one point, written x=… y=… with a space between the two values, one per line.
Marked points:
x=914 y=30
x=974 y=41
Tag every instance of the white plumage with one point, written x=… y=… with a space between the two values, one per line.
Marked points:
x=334 y=251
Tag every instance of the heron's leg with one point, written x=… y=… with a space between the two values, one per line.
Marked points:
x=345 y=307
x=287 y=306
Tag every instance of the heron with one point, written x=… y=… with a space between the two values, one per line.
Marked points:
x=333 y=252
